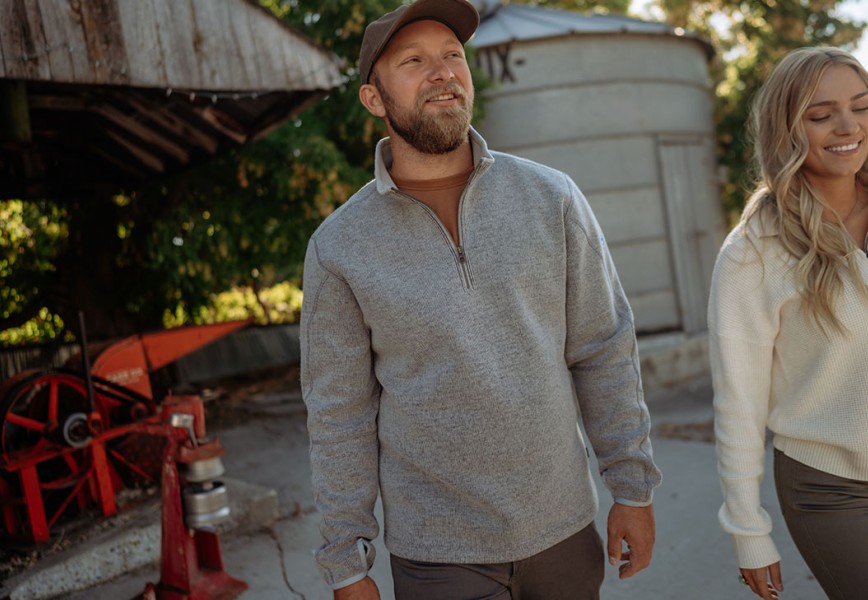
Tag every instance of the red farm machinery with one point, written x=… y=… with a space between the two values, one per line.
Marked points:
x=71 y=440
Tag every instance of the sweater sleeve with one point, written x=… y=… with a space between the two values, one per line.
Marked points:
x=602 y=355
x=742 y=328
x=342 y=398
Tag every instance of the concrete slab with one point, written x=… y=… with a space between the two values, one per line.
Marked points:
x=693 y=557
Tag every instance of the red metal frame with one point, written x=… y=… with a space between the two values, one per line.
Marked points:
x=95 y=485
x=39 y=409
x=130 y=361
x=123 y=404
x=191 y=565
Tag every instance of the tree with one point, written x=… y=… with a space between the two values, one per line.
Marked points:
x=750 y=37
x=31 y=234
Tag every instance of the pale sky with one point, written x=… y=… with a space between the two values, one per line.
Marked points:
x=858 y=9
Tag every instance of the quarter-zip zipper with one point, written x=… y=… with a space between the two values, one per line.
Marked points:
x=465 y=269
x=456 y=249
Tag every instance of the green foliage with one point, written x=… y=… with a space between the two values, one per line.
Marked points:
x=242 y=219
x=338 y=26
x=31 y=236
x=278 y=304
x=44 y=327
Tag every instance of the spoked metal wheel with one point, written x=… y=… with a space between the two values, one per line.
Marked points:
x=46 y=423
x=42 y=412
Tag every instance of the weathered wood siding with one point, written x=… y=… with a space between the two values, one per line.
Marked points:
x=207 y=45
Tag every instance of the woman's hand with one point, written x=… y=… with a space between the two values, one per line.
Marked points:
x=765 y=582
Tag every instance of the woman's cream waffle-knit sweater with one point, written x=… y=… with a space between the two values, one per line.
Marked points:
x=772 y=368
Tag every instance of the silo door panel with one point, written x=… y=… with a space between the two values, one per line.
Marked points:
x=691 y=199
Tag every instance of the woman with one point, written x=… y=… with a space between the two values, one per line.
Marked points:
x=788 y=325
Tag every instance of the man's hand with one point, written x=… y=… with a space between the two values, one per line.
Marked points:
x=635 y=526
x=766 y=582
x=365 y=589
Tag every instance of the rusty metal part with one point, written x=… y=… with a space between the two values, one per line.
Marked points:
x=205 y=506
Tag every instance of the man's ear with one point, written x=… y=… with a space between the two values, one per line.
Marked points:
x=371 y=99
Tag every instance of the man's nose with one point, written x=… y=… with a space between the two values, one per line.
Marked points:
x=441 y=71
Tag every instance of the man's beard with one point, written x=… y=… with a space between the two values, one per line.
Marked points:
x=428 y=133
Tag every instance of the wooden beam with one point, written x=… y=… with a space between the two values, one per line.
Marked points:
x=168 y=120
x=142 y=132
x=223 y=123
x=42 y=101
x=128 y=123
x=145 y=157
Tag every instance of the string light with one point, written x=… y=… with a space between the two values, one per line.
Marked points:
x=192 y=96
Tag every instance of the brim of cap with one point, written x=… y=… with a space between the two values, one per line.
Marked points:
x=458 y=15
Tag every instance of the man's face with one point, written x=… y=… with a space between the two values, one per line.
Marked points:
x=425 y=86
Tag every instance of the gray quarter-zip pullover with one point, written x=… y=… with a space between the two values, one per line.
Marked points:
x=446 y=376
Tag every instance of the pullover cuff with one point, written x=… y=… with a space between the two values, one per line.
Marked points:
x=753 y=552
x=635 y=503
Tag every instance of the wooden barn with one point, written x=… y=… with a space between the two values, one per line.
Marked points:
x=97 y=94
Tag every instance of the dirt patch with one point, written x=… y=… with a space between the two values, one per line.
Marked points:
x=227 y=402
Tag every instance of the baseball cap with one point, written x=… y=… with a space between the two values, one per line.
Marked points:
x=459 y=15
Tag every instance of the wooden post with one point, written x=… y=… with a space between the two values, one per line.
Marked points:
x=14 y=112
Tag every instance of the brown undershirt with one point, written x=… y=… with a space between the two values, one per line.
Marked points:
x=440 y=195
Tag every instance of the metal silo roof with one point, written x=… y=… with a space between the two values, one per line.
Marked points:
x=505 y=23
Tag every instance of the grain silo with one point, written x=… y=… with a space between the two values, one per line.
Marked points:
x=623 y=106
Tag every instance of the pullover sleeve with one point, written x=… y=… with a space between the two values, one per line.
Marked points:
x=602 y=355
x=342 y=398
x=742 y=328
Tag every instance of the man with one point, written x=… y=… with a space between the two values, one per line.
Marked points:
x=454 y=310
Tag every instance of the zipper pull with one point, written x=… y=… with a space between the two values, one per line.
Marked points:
x=461 y=257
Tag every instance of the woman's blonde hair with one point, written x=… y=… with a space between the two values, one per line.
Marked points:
x=824 y=249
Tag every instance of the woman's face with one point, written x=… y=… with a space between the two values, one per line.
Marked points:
x=836 y=123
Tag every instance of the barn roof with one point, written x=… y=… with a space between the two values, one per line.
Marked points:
x=507 y=23
x=107 y=93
